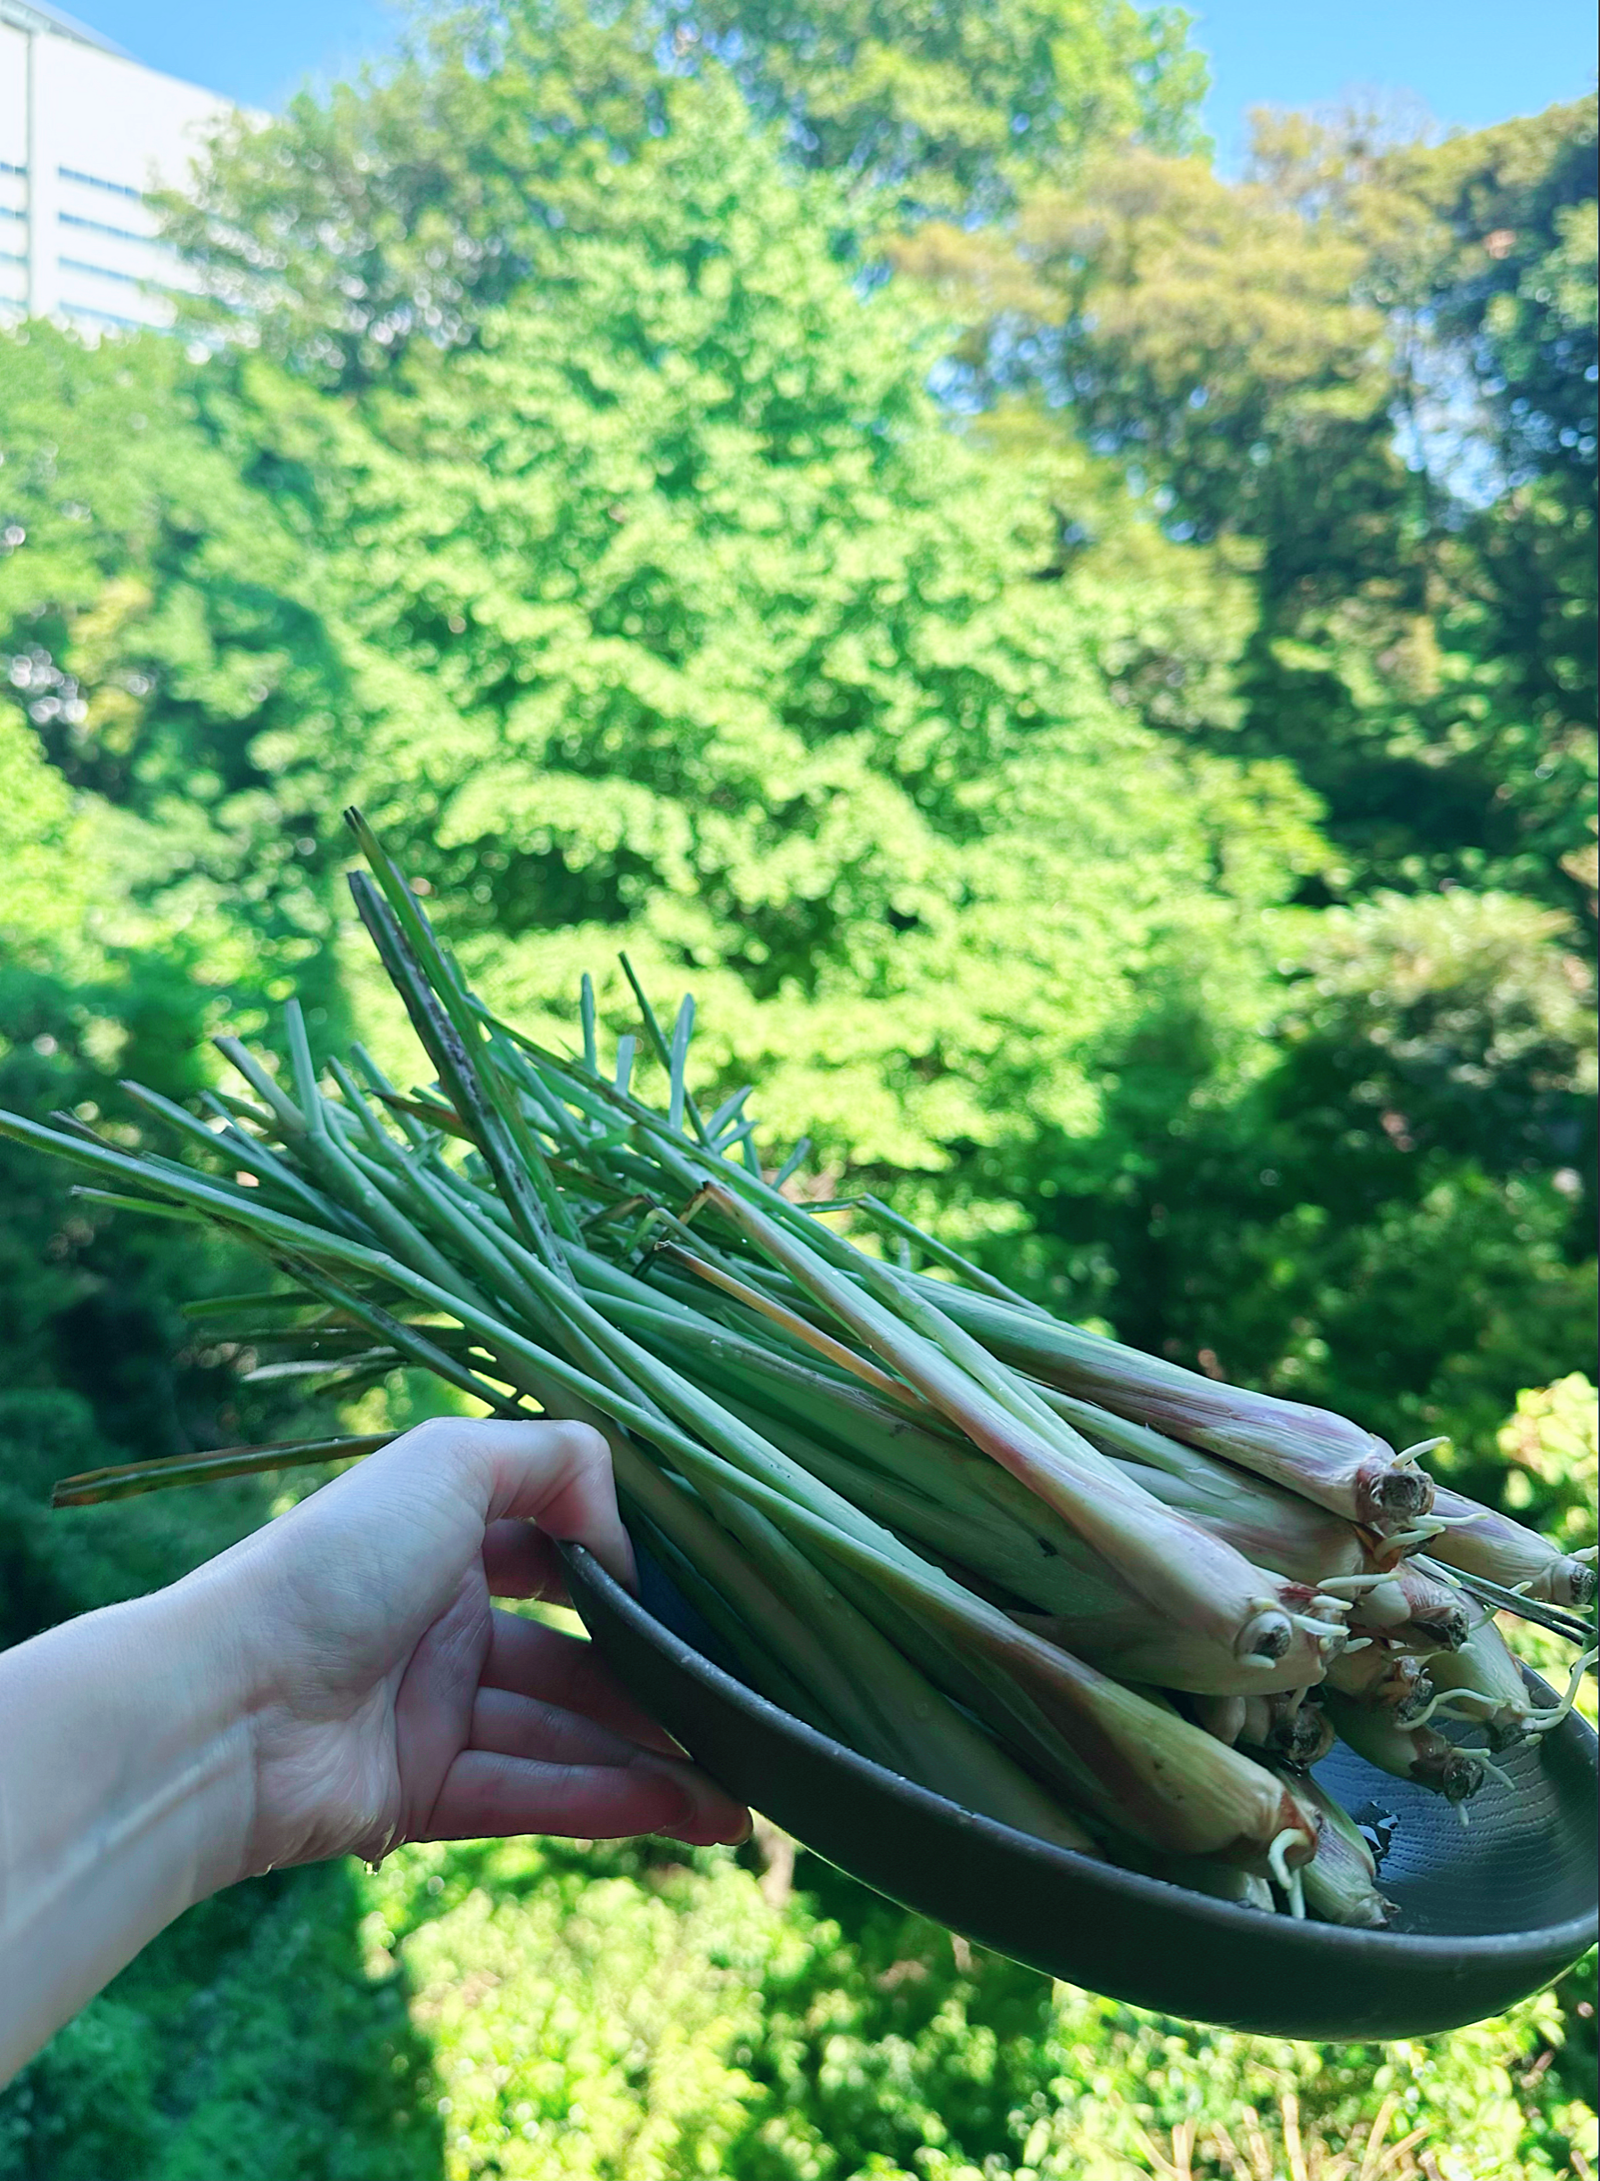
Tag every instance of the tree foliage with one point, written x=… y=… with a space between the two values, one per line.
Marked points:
x=953 y=104
x=1426 y=634
x=403 y=208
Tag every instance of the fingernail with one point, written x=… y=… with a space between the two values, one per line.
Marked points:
x=685 y=1805
x=695 y=1815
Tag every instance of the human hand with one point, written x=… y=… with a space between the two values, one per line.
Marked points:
x=389 y=1701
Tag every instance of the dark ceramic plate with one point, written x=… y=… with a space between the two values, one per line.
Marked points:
x=1486 y=1915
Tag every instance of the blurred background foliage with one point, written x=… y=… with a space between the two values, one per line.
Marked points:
x=1087 y=669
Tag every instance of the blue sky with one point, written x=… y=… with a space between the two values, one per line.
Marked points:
x=1470 y=61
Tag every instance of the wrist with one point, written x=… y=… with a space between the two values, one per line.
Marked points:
x=125 y=1796
x=199 y=1691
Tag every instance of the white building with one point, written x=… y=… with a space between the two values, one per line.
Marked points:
x=85 y=133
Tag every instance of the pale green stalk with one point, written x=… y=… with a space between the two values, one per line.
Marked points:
x=1410 y=1753
x=1269 y=1524
x=1438 y=1617
x=960 y=1513
x=1483 y=1542
x=1385 y=1678
x=1166 y=1559
x=1341 y=1880
x=890 y=1710
x=1136 y=1763
x=754 y=1663
x=1327 y=1458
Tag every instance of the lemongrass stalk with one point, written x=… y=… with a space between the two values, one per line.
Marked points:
x=346 y=1376
x=884 y=1215
x=1268 y=1523
x=1437 y=1616
x=975 y=1511
x=1484 y=1542
x=800 y=1330
x=328 y=1340
x=1560 y=1620
x=1409 y=1753
x=860 y=1679
x=380 y=1221
x=961 y=1761
x=719 y=1313
x=974 y=1490
x=494 y=1252
x=1341 y=1880
x=126 y=1480
x=672 y=1061
x=753 y=1662
x=217 y=1306
x=1327 y=1458
x=229 y=1109
x=961 y=1515
x=1378 y=1603
x=1287 y=1732
x=907 y=1308
x=476 y=1244
x=662 y=1311
x=270 y=1183
x=888 y=1708
x=1135 y=1762
x=754 y=1607
x=1223 y=1716
x=724 y=1431
x=447 y=1030
x=1384 y=1678
x=207 y=1195
x=1015 y=1394
x=245 y=1150
x=1482 y=1682
x=1148 y=1770
x=289 y=1121
x=1165 y=1558
x=278 y=1235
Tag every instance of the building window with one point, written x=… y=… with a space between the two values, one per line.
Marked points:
x=96 y=181
x=108 y=318
x=104 y=272
x=101 y=272
x=100 y=227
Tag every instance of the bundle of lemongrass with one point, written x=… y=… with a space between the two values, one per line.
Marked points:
x=1069 y=1585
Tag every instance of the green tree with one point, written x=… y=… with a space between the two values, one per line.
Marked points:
x=686 y=624
x=403 y=208
x=1517 y=292
x=156 y=615
x=952 y=104
x=1425 y=641
x=1384 y=1209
